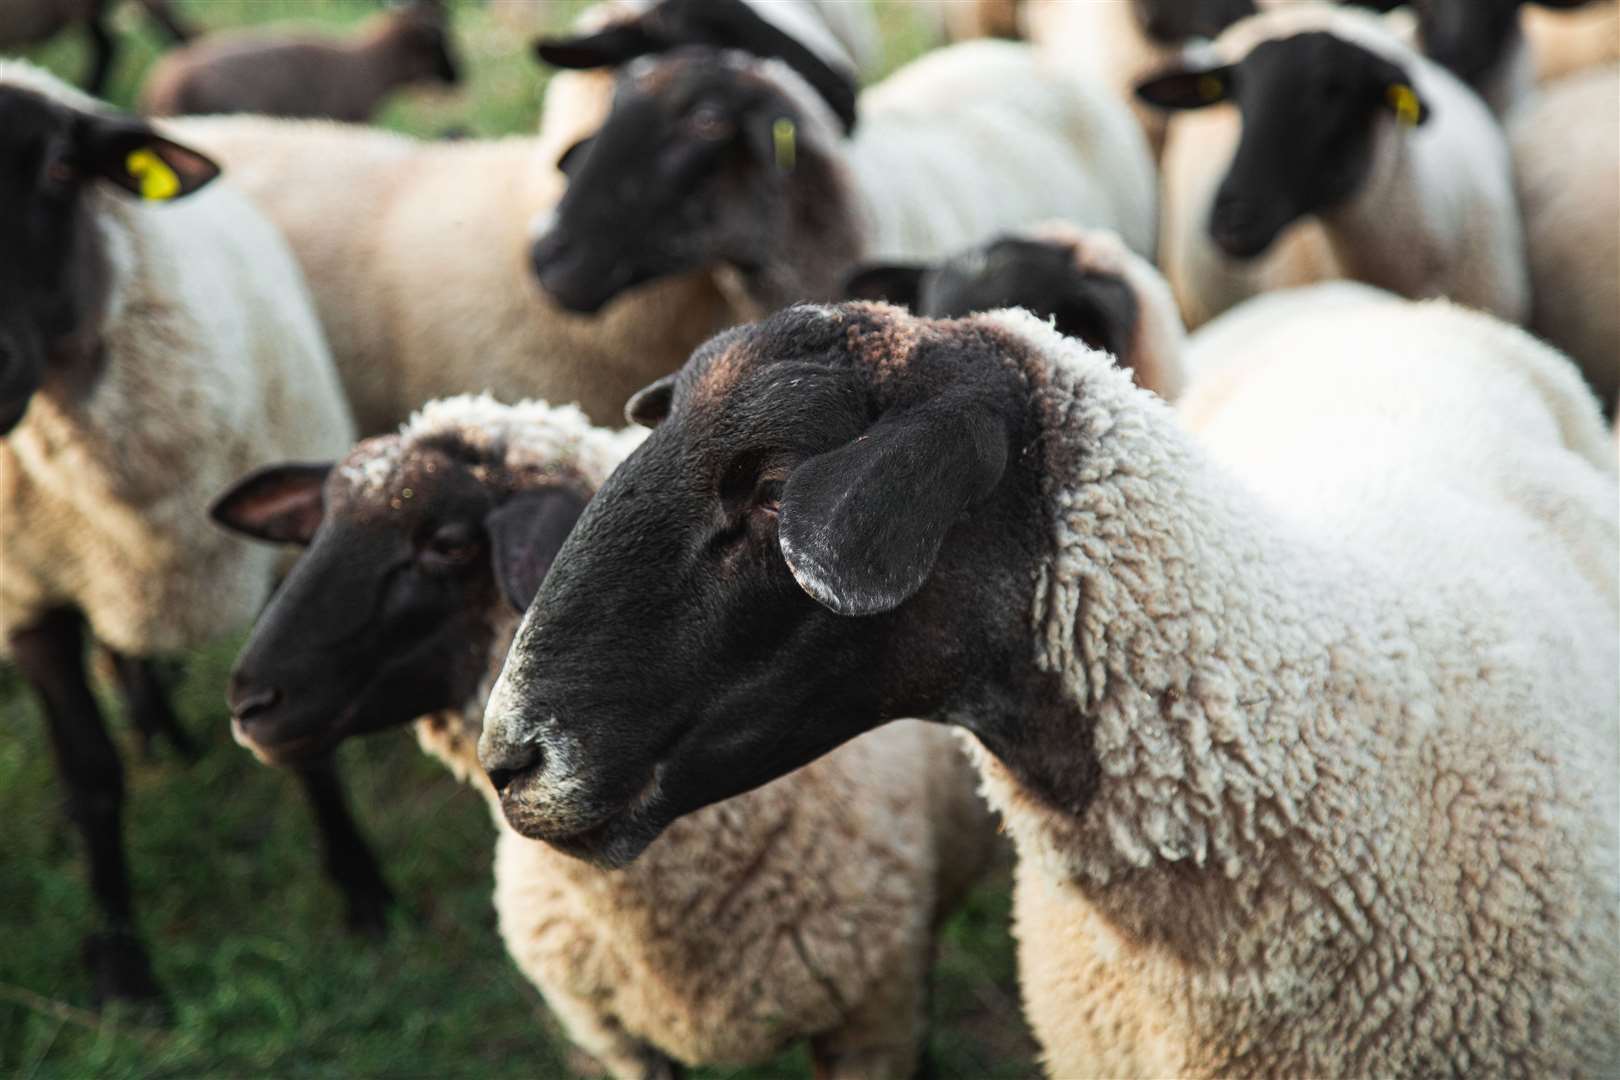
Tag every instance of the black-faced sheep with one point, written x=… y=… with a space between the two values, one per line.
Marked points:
x=1085 y=281
x=1305 y=725
x=1355 y=157
x=805 y=909
x=297 y=75
x=148 y=352
x=720 y=162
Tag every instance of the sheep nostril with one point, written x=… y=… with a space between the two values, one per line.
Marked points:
x=513 y=764
x=255 y=703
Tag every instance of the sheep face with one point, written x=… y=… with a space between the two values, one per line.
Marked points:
x=1311 y=107
x=829 y=527
x=1171 y=22
x=1039 y=276
x=421 y=39
x=689 y=170
x=1467 y=37
x=55 y=274
x=390 y=614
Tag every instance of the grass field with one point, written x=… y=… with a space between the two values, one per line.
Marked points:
x=246 y=936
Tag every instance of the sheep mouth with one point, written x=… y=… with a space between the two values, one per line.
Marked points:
x=291 y=751
x=610 y=840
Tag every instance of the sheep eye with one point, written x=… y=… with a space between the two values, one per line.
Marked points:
x=452 y=546
x=768 y=497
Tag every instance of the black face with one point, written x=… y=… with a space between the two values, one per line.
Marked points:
x=1173 y=21
x=688 y=171
x=1467 y=37
x=1038 y=276
x=821 y=535
x=1310 y=106
x=53 y=274
x=387 y=616
x=426 y=34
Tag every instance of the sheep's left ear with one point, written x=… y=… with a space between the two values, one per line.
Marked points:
x=279 y=503
x=609 y=47
x=1188 y=87
x=142 y=162
x=525 y=534
x=649 y=405
x=861 y=526
x=893 y=283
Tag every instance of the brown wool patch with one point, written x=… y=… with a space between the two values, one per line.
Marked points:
x=883 y=337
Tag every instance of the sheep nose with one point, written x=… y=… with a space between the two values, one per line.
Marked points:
x=510 y=762
x=248 y=702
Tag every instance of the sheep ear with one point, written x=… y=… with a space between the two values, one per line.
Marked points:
x=894 y=283
x=649 y=405
x=610 y=47
x=861 y=526
x=280 y=503
x=571 y=157
x=1188 y=87
x=1402 y=99
x=131 y=155
x=525 y=534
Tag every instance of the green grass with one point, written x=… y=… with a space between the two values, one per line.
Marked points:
x=245 y=933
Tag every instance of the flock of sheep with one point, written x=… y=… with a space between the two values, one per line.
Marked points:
x=1268 y=569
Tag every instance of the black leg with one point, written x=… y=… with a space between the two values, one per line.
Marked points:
x=146 y=703
x=50 y=655
x=164 y=17
x=102 y=49
x=348 y=858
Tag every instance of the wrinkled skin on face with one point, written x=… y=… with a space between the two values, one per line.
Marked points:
x=391 y=612
x=1172 y=21
x=1310 y=106
x=1038 y=276
x=684 y=174
x=54 y=274
x=834 y=523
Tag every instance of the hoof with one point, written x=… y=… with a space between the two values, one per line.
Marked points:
x=122 y=974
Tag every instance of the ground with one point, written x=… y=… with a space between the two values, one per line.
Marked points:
x=246 y=935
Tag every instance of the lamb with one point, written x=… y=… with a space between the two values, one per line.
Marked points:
x=1566 y=153
x=299 y=75
x=713 y=161
x=1086 y=281
x=29 y=22
x=419 y=304
x=147 y=352
x=1388 y=169
x=1305 y=725
x=805 y=909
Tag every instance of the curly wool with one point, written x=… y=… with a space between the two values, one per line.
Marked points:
x=802 y=909
x=214 y=365
x=1347 y=822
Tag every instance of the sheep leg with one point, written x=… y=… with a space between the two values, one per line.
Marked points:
x=348 y=859
x=147 y=704
x=165 y=17
x=50 y=655
x=102 y=49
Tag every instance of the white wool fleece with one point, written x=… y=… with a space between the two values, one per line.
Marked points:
x=741 y=929
x=213 y=365
x=1348 y=657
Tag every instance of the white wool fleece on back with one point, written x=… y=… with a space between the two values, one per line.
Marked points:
x=1348 y=658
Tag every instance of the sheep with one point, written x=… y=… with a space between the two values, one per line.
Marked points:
x=418 y=303
x=147 y=352
x=805 y=909
x=1304 y=724
x=1086 y=281
x=1564 y=41
x=29 y=22
x=299 y=75
x=715 y=161
x=1390 y=170
x=1566 y=154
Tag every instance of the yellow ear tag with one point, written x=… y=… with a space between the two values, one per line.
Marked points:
x=785 y=138
x=158 y=181
x=1210 y=87
x=1404 y=100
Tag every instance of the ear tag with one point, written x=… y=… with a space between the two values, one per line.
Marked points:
x=158 y=181
x=1404 y=100
x=1210 y=87
x=785 y=140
